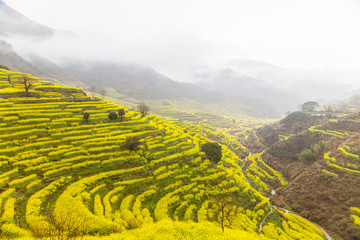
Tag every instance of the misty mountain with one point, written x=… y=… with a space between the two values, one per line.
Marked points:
x=11 y=59
x=248 y=65
x=144 y=83
x=52 y=70
x=33 y=64
x=13 y=23
x=233 y=83
x=312 y=84
x=133 y=80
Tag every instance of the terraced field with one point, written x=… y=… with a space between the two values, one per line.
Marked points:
x=63 y=176
x=320 y=159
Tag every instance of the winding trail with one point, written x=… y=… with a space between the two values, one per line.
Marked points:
x=327 y=236
x=264 y=219
x=271 y=208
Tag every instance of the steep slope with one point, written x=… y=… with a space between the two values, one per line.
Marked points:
x=351 y=104
x=52 y=70
x=13 y=23
x=15 y=62
x=320 y=159
x=63 y=173
x=34 y=64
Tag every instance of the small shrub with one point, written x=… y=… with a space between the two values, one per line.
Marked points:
x=131 y=143
x=132 y=223
x=113 y=116
x=86 y=115
x=318 y=149
x=315 y=151
x=307 y=155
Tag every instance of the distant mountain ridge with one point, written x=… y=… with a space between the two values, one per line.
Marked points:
x=13 y=23
x=133 y=80
x=233 y=83
x=309 y=84
x=241 y=85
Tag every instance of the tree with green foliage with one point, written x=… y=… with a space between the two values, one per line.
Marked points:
x=121 y=113
x=315 y=151
x=309 y=106
x=212 y=151
x=132 y=143
x=224 y=210
x=143 y=108
x=112 y=116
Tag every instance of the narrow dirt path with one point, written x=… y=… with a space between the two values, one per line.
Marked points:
x=264 y=219
x=328 y=237
x=271 y=208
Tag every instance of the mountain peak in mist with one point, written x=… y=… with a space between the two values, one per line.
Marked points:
x=249 y=63
x=14 y=24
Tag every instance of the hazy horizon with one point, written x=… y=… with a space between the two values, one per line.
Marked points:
x=176 y=37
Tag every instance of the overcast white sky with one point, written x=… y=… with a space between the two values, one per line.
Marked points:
x=173 y=36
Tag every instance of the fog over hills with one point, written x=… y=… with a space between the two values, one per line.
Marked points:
x=317 y=84
x=133 y=80
x=233 y=82
x=13 y=23
x=128 y=79
x=12 y=60
x=238 y=117
x=249 y=81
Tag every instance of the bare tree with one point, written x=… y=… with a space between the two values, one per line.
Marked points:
x=143 y=108
x=225 y=210
x=102 y=93
x=93 y=89
x=27 y=84
x=67 y=227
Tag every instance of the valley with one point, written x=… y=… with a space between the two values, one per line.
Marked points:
x=67 y=175
x=179 y=121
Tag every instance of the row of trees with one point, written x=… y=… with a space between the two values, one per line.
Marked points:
x=142 y=108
